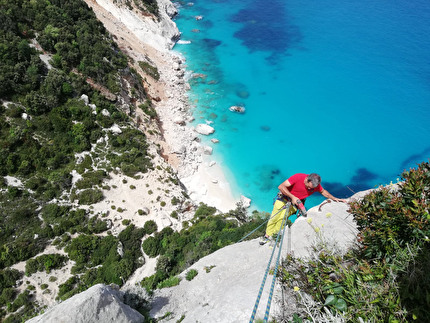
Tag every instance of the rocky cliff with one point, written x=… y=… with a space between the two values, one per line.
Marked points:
x=228 y=281
x=97 y=304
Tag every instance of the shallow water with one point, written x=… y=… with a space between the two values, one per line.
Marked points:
x=339 y=89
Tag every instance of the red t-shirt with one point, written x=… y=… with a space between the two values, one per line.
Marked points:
x=298 y=188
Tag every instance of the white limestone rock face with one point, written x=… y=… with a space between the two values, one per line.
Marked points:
x=204 y=129
x=229 y=279
x=99 y=303
x=160 y=34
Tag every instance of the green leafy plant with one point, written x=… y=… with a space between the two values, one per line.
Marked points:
x=191 y=274
x=169 y=282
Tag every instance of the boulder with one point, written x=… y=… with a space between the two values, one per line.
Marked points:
x=237 y=108
x=116 y=129
x=204 y=129
x=215 y=141
x=207 y=150
x=99 y=303
x=84 y=98
x=179 y=121
x=105 y=113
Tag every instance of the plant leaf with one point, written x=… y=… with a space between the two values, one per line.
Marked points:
x=341 y=305
x=330 y=300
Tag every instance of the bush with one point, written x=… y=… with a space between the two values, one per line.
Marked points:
x=150 y=247
x=169 y=282
x=191 y=274
x=150 y=70
x=150 y=227
x=90 y=196
x=175 y=200
x=389 y=219
x=45 y=262
x=204 y=210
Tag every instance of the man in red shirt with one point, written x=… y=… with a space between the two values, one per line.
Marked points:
x=294 y=190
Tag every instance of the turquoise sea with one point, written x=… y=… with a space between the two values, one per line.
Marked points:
x=340 y=88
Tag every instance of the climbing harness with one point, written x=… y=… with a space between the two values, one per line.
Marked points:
x=265 y=221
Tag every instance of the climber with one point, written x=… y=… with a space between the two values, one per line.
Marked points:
x=293 y=191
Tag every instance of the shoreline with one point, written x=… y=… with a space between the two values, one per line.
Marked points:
x=139 y=38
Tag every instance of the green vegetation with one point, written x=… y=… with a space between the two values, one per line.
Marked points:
x=179 y=250
x=386 y=278
x=98 y=261
x=148 y=109
x=150 y=70
x=169 y=282
x=47 y=130
x=191 y=274
x=150 y=227
x=45 y=262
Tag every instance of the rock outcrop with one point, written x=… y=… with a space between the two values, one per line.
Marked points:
x=228 y=280
x=204 y=129
x=161 y=34
x=99 y=303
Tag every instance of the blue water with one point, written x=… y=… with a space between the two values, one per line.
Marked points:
x=339 y=88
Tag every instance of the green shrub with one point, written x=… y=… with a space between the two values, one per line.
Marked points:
x=90 y=179
x=150 y=247
x=150 y=70
x=175 y=200
x=191 y=274
x=150 y=227
x=389 y=219
x=7 y=295
x=8 y=278
x=204 y=210
x=126 y=222
x=90 y=196
x=169 y=282
x=151 y=282
x=45 y=262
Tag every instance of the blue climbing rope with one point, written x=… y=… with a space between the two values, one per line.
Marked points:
x=260 y=292
x=272 y=287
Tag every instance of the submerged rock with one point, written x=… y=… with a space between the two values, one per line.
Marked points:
x=237 y=108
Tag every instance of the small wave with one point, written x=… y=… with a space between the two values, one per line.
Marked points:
x=184 y=42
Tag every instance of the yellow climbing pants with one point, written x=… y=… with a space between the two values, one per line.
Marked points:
x=275 y=222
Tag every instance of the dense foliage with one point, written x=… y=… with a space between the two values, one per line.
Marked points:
x=45 y=262
x=99 y=261
x=51 y=54
x=386 y=279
